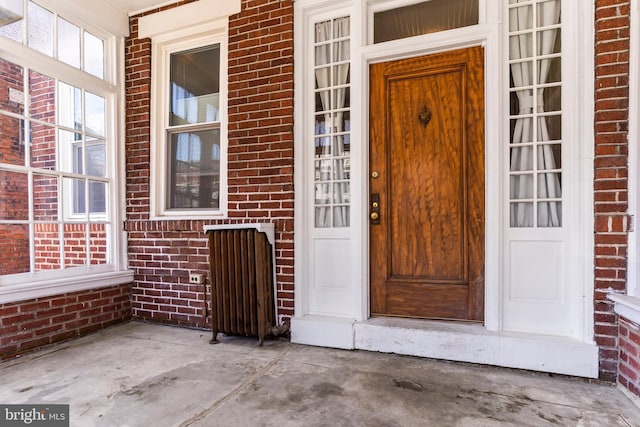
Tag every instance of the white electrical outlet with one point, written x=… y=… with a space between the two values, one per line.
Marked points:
x=196 y=278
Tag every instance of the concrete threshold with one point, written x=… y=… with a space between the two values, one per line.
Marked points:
x=141 y=374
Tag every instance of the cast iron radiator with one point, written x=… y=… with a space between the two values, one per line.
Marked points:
x=241 y=283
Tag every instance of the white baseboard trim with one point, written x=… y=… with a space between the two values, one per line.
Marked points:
x=323 y=331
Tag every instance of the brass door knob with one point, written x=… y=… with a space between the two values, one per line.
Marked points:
x=374 y=216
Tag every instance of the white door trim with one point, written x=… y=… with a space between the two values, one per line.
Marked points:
x=485 y=35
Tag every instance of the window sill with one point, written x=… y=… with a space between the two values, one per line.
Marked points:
x=187 y=215
x=45 y=288
x=627 y=306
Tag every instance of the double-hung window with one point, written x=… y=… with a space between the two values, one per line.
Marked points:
x=189 y=129
x=192 y=141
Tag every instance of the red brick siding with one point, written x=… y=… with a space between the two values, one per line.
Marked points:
x=610 y=197
x=629 y=367
x=29 y=325
x=260 y=167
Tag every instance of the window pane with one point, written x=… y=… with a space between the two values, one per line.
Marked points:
x=522 y=17
x=341 y=171
x=323 y=97
x=75 y=195
x=70 y=144
x=549 y=186
x=47 y=247
x=95 y=119
x=75 y=245
x=45 y=198
x=43 y=146
x=549 y=157
x=323 y=53
x=14 y=197
x=522 y=186
x=96 y=164
x=12 y=86
x=14 y=247
x=42 y=99
x=194 y=85
x=551 y=68
x=40 y=31
x=195 y=170
x=521 y=130
x=97 y=197
x=340 y=96
x=13 y=31
x=69 y=106
x=423 y=18
x=549 y=214
x=549 y=99
x=12 y=148
x=98 y=243
x=323 y=170
x=521 y=215
x=522 y=158
x=68 y=43
x=341 y=216
x=93 y=55
x=521 y=46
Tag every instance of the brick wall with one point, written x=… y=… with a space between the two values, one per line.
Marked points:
x=611 y=218
x=629 y=367
x=29 y=325
x=260 y=168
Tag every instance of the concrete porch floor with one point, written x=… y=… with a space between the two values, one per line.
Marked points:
x=140 y=374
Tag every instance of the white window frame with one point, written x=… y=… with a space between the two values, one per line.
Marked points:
x=39 y=284
x=211 y=33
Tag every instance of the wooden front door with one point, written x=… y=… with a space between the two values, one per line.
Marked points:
x=427 y=186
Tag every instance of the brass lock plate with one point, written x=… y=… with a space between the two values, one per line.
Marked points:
x=374 y=209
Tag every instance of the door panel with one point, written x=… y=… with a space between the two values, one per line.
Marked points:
x=427 y=170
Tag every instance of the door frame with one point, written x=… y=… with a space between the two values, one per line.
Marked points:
x=468 y=305
x=484 y=35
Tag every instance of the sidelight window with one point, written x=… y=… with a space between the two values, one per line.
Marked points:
x=535 y=115
x=332 y=128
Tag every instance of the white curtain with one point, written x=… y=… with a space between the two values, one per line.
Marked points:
x=521 y=46
x=331 y=148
